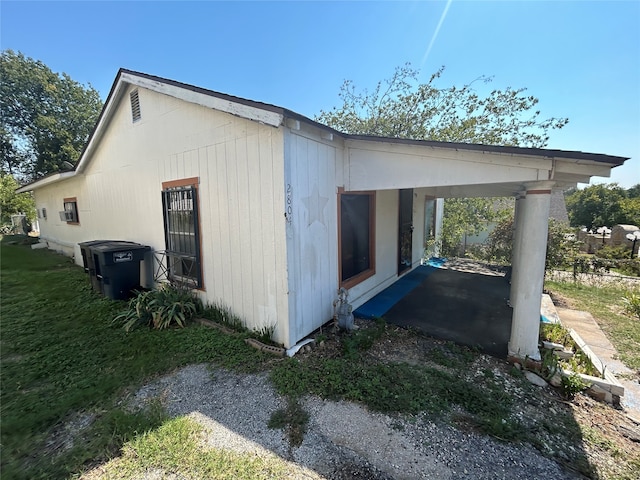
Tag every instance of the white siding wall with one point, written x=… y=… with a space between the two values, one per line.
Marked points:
x=61 y=236
x=387 y=210
x=386 y=242
x=312 y=238
x=241 y=171
x=313 y=172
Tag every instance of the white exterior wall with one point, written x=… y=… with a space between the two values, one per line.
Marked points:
x=386 y=243
x=60 y=236
x=314 y=170
x=312 y=164
x=240 y=168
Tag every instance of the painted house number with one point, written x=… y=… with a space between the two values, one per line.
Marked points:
x=289 y=213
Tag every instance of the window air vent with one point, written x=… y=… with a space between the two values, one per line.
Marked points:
x=135 y=106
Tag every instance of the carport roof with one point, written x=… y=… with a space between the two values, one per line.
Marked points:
x=508 y=150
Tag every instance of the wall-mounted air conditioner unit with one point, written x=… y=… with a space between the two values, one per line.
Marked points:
x=66 y=216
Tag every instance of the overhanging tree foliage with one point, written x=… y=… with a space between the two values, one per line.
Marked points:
x=401 y=107
x=45 y=117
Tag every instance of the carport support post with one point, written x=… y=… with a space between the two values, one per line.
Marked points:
x=517 y=244
x=528 y=279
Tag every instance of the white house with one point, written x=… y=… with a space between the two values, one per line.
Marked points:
x=270 y=213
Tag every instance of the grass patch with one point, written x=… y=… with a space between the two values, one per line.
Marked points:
x=60 y=355
x=605 y=304
x=292 y=419
x=175 y=448
x=398 y=387
x=362 y=340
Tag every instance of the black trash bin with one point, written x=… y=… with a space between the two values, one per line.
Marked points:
x=117 y=267
x=89 y=263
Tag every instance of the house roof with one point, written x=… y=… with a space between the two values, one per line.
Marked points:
x=275 y=116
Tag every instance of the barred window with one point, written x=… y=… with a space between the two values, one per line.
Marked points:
x=182 y=231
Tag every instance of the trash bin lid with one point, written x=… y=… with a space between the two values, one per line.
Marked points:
x=91 y=243
x=115 y=252
x=115 y=245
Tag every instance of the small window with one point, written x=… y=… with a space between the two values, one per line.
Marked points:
x=135 y=106
x=70 y=210
x=44 y=213
x=356 y=233
x=182 y=231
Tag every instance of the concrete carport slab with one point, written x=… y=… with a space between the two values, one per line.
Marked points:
x=462 y=302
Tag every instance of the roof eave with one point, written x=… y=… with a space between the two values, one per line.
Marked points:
x=48 y=180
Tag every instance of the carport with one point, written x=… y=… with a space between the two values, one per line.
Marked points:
x=449 y=170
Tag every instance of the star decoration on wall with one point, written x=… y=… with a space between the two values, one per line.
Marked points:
x=315 y=206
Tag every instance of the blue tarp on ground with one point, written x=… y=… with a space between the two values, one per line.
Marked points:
x=382 y=302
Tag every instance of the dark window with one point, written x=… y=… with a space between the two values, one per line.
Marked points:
x=356 y=237
x=70 y=212
x=182 y=234
x=135 y=106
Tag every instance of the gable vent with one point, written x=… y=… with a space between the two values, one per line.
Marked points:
x=135 y=106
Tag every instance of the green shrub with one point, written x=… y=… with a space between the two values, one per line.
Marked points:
x=572 y=384
x=500 y=243
x=631 y=303
x=561 y=243
x=629 y=266
x=586 y=263
x=613 y=253
x=602 y=265
x=167 y=306
x=554 y=332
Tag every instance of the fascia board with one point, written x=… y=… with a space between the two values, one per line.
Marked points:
x=58 y=177
x=105 y=118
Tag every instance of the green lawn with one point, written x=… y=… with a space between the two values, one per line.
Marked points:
x=604 y=302
x=60 y=355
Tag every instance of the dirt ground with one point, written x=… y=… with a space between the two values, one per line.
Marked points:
x=610 y=436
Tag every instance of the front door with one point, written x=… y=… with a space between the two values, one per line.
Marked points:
x=405 y=230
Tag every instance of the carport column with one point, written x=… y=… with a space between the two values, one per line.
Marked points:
x=517 y=243
x=531 y=232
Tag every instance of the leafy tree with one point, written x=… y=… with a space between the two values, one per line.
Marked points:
x=469 y=216
x=45 y=117
x=562 y=245
x=401 y=107
x=630 y=211
x=11 y=202
x=599 y=205
x=634 y=192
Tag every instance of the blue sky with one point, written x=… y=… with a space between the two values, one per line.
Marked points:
x=580 y=58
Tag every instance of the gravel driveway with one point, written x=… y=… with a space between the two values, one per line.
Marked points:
x=343 y=440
